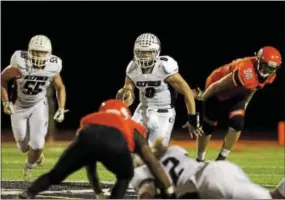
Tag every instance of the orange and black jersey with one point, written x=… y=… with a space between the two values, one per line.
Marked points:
x=126 y=126
x=244 y=76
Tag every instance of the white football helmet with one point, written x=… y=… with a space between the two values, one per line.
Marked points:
x=39 y=50
x=146 y=50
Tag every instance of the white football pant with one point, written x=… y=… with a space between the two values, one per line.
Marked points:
x=158 y=121
x=30 y=125
x=225 y=180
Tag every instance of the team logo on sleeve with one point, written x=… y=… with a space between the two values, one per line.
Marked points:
x=248 y=73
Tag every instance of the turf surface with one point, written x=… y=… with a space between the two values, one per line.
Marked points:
x=262 y=161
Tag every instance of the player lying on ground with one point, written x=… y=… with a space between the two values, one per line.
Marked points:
x=33 y=71
x=108 y=136
x=230 y=88
x=155 y=77
x=193 y=179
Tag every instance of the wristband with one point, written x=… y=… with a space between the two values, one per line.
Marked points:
x=194 y=120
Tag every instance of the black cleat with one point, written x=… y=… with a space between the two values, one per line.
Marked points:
x=198 y=160
x=220 y=157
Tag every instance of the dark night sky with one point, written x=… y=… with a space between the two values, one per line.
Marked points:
x=95 y=41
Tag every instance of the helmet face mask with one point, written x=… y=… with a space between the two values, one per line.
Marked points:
x=39 y=50
x=38 y=58
x=146 y=59
x=146 y=50
x=265 y=69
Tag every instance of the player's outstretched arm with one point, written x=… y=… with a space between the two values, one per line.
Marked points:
x=94 y=180
x=181 y=86
x=60 y=91
x=154 y=166
x=126 y=94
x=61 y=97
x=225 y=83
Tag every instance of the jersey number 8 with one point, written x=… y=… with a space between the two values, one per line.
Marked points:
x=149 y=92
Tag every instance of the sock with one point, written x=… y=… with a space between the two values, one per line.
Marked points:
x=29 y=165
x=201 y=155
x=225 y=152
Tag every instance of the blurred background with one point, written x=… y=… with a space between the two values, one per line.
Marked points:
x=95 y=41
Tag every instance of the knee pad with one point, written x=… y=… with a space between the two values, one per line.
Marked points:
x=208 y=128
x=237 y=122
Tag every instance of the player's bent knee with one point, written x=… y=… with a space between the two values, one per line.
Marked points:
x=37 y=144
x=208 y=128
x=237 y=122
x=23 y=146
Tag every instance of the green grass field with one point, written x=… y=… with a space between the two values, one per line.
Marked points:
x=263 y=163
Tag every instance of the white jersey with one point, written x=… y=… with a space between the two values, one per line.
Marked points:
x=154 y=91
x=178 y=166
x=32 y=85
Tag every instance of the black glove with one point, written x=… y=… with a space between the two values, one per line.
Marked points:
x=194 y=120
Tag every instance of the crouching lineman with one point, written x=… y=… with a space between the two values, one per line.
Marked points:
x=158 y=80
x=108 y=136
x=33 y=71
x=230 y=88
x=193 y=179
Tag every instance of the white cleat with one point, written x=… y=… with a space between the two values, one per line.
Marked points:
x=27 y=173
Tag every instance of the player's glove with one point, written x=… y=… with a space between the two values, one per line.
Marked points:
x=59 y=115
x=194 y=125
x=126 y=95
x=8 y=107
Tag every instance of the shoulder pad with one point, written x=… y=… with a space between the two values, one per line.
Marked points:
x=178 y=149
x=131 y=67
x=57 y=62
x=16 y=58
x=170 y=65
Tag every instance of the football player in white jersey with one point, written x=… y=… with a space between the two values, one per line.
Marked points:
x=193 y=178
x=177 y=165
x=155 y=76
x=33 y=71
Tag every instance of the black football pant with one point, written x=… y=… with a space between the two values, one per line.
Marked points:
x=93 y=143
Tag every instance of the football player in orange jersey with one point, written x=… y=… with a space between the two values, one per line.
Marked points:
x=108 y=136
x=231 y=87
